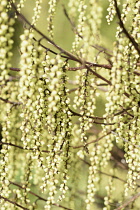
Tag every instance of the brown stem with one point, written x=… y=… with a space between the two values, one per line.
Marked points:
x=137 y=73
x=113 y=176
x=10 y=102
x=14 y=203
x=39 y=197
x=122 y=111
x=103 y=49
x=48 y=49
x=77 y=114
x=105 y=66
x=14 y=69
x=71 y=22
x=97 y=75
x=128 y=202
x=70 y=55
x=132 y=40
x=94 y=141
x=20 y=147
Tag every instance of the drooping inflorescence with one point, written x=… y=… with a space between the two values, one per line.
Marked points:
x=69 y=119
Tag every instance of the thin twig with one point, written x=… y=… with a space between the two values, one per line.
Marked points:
x=14 y=203
x=118 y=163
x=101 y=172
x=122 y=111
x=133 y=198
x=94 y=141
x=132 y=40
x=70 y=55
x=137 y=73
x=20 y=147
x=125 y=111
x=72 y=90
x=11 y=78
x=10 y=102
x=14 y=69
x=103 y=49
x=117 y=134
x=39 y=197
x=113 y=176
x=105 y=66
x=48 y=49
x=71 y=22
x=77 y=114
x=97 y=75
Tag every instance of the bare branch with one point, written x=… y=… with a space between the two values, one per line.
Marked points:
x=97 y=75
x=20 y=147
x=77 y=114
x=14 y=203
x=39 y=197
x=94 y=141
x=101 y=172
x=103 y=49
x=70 y=56
x=137 y=73
x=14 y=69
x=132 y=40
x=48 y=49
x=133 y=198
x=10 y=102
x=105 y=66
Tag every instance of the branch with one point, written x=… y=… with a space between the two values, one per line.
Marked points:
x=132 y=40
x=70 y=56
x=137 y=73
x=20 y=147
x=128 y=202
x=14 y=69
x=118 y=163
x=10 y=102
x=97 y=75
x=135 y=145
x=11 y=78
x=103 y=49
x=77 y=114
x=14 y=203
x=71 y=22
x=122 y=111
x=105 y=66
x=48 y=49
x=113 y=176
x=94 y=141
x=39 y=197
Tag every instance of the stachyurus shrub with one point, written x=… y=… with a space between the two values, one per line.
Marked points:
x=70 y=119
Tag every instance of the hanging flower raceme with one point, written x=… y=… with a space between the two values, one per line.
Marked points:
x=85 y=101
x=125 y=94
x=58 y=124
x=8 y=95
x=50 y=19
